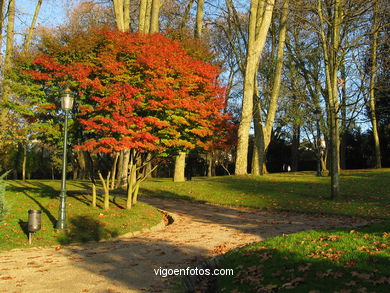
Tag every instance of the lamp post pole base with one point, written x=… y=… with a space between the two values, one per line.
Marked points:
x=61 y=224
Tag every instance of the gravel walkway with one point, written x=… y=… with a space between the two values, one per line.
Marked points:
x=127 y=265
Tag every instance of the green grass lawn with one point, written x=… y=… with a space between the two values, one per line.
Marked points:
x=364 y=192
x=327 y=261
x=85 y=222
x=340 y=260
x=314 y=261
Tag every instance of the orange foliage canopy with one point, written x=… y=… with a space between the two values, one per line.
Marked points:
x=138 y=91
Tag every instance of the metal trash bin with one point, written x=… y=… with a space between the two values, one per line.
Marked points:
x=34 y=223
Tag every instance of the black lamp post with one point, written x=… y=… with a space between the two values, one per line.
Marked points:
x=66 y=105
x=317 y=116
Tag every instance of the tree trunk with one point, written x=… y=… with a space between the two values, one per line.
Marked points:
x=148 y=167
x=126 y=15
x=147 y=16
x=374 y=45
x=125 y=169
x=113 y=170
x=32 y=27
x=2 y=5
x=120 y=169
x=10 y=34
x=257 y=125
x=93 y=195
x=106 y=188
x=265 y=135
x=210 y=165
x=9 y=48
x=180 y=163
x=184 y=19
x=24 y=163
x=295 y=148
x=199 y=19
x=118 y=10
x=132 y=178
x=259 y=22
x=331 y=72
x=154 y=24
x=142 y=15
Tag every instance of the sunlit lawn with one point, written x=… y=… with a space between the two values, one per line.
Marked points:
x=364 y=192
x=341 y=260
x=85 y=222
x=326 y=261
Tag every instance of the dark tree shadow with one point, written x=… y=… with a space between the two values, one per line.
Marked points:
x=24 y=226
x=52 y=219
x=85 y=228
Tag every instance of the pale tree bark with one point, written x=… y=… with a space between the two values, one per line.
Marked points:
x=120 y=169
x=2 y=4
x=154 y=24
x=259 y=22
x=126 y=15
x=264 y=135
x=148 y=167
x=122 y=14
x=135 y=177
x=180 y=162
x=114 y=169
x=330 y=48
x=344 y=124
x=125 y=168
x=106 y=189
x=374 y=45
x=148 y=15
x=32 y=27
x=9 y=47
x=258 y=128
x=142 y=15
x=118 y=9
x=199 y=19
x=24 y=163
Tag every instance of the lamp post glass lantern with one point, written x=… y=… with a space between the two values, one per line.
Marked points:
x=66 y=105
x=317 y=116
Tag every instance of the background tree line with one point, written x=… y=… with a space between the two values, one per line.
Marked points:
x=283 y=61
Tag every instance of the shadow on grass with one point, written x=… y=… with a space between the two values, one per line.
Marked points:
x=44 y=187
x=44 y=190
x=289 y=272
x=262 y=268
x=52 y=219
x=87 y=199
x=24 y=226
x=368 y=196
x=83 y=229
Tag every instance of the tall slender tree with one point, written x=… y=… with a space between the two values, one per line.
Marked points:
x=32 y=26
x=373 y=69
x=259 y=21
x=263 y=133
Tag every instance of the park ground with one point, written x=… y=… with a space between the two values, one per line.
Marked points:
x=352 y=258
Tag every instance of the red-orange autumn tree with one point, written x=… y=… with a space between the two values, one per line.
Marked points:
x=136 y=92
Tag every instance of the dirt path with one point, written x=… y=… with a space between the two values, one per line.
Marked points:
x=127 y=265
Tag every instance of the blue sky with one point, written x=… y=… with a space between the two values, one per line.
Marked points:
x=52 y=13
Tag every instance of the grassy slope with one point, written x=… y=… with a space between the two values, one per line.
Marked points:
x=85 y=223
x=314 y=261
x=323 y=261
x=364 y=193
